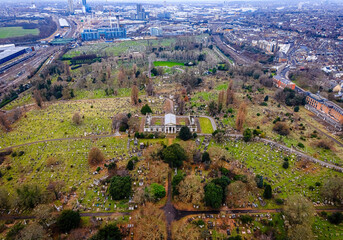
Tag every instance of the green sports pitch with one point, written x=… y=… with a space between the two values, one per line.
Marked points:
x=9 y=32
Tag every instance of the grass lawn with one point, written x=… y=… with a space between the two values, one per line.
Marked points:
x=55 y=120
x=206 y=126
x=267 y=161
x=167 y=64
x=323 y=229
x=8 y=32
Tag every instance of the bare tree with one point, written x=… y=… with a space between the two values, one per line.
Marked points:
x=134 y=95
x=108 y=69
x=38 y=98
x=241 y=116
x=76 y=119
x=4 y=123
x=230 y=97
x=95 y=156
x=150 y=88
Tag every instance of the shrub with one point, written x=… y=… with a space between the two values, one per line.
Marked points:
x=146 y=109
x=301 y=145
x=157 y=191
x=266 y=98
x=205 y=158
x=285 y=165
x=264 y=104
x=247 y=135
x=267 y=194
x=246 y=219
x=29 y=196
x=76 y=119
x=175 y=182
x=68 y=220
x=336 y=218
x=281 y=128
x=213 y=195
x=130 y=165
x=185 y=134
x=120 y=187
x=324 y=144
x=14 y=231
x=95 y=156
x=296 y=109
x=109 y=232
x=174 y=155
x=279 y=201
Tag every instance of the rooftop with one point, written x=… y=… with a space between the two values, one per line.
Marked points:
x=170 y=119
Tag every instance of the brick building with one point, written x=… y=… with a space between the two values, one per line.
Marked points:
x=281 y=82
x=325 y=109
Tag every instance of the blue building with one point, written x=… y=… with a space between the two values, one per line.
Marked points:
x=103 y=33
x=155 y=31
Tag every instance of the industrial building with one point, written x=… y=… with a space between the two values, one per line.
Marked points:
x=103 y=33
x=63 y=23
x=156 y=31
x=9 y=52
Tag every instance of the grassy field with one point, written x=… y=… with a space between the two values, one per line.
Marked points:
x=167 y=64
x=322 y=230
x=8 y=32
x=118 y=48
x=205 y=125
x=266 y=161
x=55 y=120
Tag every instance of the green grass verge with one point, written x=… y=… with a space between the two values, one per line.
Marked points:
x=205 y=125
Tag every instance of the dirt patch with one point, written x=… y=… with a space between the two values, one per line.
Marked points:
x=307 y=166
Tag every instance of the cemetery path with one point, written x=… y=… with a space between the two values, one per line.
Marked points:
x=178 y=213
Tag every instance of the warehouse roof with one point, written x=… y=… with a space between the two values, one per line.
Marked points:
x=63 y=22
x=8 y=51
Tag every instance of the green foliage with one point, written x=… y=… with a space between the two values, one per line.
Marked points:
x=285 y=164
x=296 y=109
x=336 y=218
x=301 y=145
x=259 y=181
x=246 y=219
x=238 y=237
x=175 y=182
x=68 y=220
x=247 y=135
x=213 y=195
x=223 y=182
x=174 y=155
x=29 y=196
x=199 y=222
x=13 y=232
x=157 y=191
x=267 y=194
x=109 y=232
x=185 y=134
x=130 y=165
x=205 y=158
x=266 y=98
x=146 y=109
x=120 y=187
